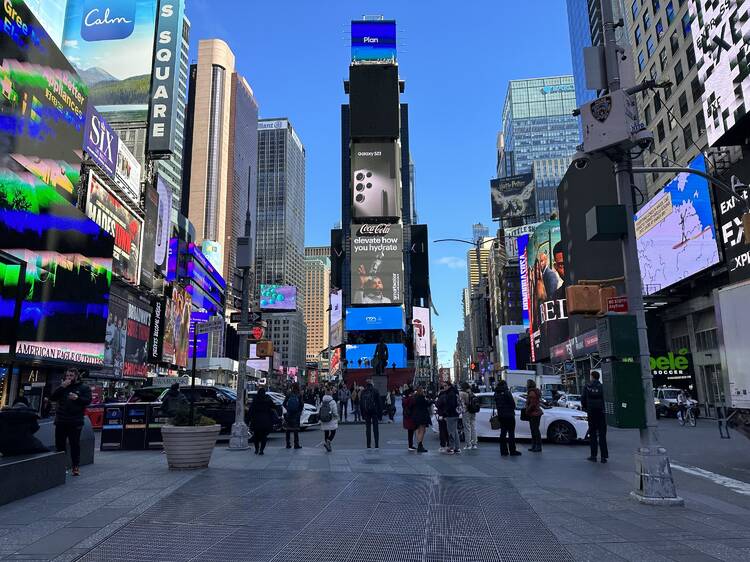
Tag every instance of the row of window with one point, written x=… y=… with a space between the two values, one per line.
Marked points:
x=674 y=40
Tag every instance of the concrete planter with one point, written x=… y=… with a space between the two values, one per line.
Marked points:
x=189 y=446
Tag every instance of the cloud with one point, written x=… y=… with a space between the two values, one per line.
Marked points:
x=452 y=262
x=71 y=43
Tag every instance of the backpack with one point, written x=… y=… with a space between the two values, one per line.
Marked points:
x=293 y=404
x=325 y=413
x=367 y=402
x=473 y=405
x=594 y=397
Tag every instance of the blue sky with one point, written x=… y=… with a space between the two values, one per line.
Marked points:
x=456 y=58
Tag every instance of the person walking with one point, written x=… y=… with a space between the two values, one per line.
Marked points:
x=453 y=411
x=407 y=404
x=421 y=414
x=369 y=405
x=592 y=402
x=293 y=404
x=390 y=406
x=329 y=419
x=470 y=402
x=355 y=404
x=534 y=414
x=506 y=411
x=440 y=407
x=260 y=418
x=344 y=396
x=72 y=397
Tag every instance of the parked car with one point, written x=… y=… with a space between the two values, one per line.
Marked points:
x=558 y=425
x=572 y=401
x=665 y=400
x=215 y=402
x=310 y=416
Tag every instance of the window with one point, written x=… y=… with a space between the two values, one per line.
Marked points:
x=660 y=131
x=667 y=92
x=663 y=59
x=678 y=75
x=688 y=135
x=647 y=115
x=674 y=43
x=706 y=340
x=700 y=122
x=659 y=29
x=637 y=36
x=690 y=56
x=655 y=6
x=641 y=61
x=657 y=103
x=670 y=12
x=634 y=8
x=697 y=89
x=665 y=158
x=652 y=72
x=650 y=46
x=681 y=342
x=646 y=21
x=686 y=24
x=683 y=104
x=672 y=121
x=654 y=175
x=676 y=149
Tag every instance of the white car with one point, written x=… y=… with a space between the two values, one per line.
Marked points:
x=310 y=417
x=558 y=425
x=572 y=401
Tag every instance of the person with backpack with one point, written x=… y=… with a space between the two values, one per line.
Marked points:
x=329 y=419
x=344 y=396
x=506 y=412
x=260 y=418
x=592 y=402
x=452 y=412
x=369 y=405
x=407 y=403
x=534 y=414
x=421 y=413
x=293 y=405
x=471 y=407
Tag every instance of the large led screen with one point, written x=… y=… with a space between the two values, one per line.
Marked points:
x=11 y=299
x=375 y=318
x=374 y=41
x=176 y=328
x=126 y=343
x=675 y=231
x=375 y=180
x=278 y=297
x=106 y=210
x=359 y=356
x=513 y=197
x=111 y=45
x=377 y=266
x=422 y=331
x=336 y=333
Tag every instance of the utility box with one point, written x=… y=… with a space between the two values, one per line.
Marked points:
x=618 y=336
x=244 y=257
x=606 y=223
x=623 y=394
x=264 y=348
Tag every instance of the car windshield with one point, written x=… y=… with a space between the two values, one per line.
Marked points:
x=229 y=392
x=570 y=397
x=670 y=394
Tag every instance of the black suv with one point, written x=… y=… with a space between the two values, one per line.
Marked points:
x=215 y=402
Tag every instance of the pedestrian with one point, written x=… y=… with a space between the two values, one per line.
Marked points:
x=344 y=396
x=293 y=405
x=369 y=405
x=329 y=419
x=407 y=404
x=72 y=397
x=506 y=411
x=355 y=403
x=420 y=414
x=173 y=401
x=534 y=414
x=471 y=406
x=390 y=406
x=442 y=424
x=260 y=417
x=453 y=410
x=592 y=402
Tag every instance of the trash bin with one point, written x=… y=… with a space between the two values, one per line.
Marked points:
x=154 y=421
x=112 y=426
x=134 y=426
x=96 y=415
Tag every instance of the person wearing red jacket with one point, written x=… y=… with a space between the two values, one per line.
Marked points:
x=410 y=425
x=534 y=413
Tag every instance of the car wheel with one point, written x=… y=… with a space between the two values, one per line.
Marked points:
x=561 y=432
x=664 y=412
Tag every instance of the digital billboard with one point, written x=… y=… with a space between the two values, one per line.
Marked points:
x=729 y=211
x=201 y=340
x=359 y=356
x=336 y=333
x=128 y=324
x=675 y=231
x=512 y=235
x=12 y=272
x=176 y=328
x=51 y=14
x=164 y=222
x=374 y=41
x=513 y=197
x=100 y=141
x=375 y=180
x=106 y=210
x=545 y=270
x=422 y=331
x=377 y=265
x=128 y=173
x=375 y=318
x=278 y=297
x=111 y=45
x=334 y=365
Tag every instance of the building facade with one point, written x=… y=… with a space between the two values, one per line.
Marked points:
x=317 y=299
x=475 y=272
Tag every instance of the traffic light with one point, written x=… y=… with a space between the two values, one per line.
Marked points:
x=473 y=366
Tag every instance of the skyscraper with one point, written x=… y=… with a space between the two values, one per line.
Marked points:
x=221 y=154
x=280 y=239
x=317 y=299
x=537 y=124
x=479 y=231
x=474 y=265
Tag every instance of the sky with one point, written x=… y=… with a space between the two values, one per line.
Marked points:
x=456 y=59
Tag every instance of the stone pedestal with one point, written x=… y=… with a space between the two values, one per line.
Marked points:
x=653 y=478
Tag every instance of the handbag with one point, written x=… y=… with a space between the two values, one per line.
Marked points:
x=524 y=415
x=494 y=420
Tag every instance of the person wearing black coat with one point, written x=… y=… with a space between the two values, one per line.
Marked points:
x=261 y=417
x=506 y=411
x=420 y=415
x=72 y=397
x=592 y=402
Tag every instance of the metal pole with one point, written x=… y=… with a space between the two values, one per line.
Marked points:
x=655 y=484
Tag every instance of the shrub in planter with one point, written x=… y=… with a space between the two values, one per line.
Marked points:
x=189 y=446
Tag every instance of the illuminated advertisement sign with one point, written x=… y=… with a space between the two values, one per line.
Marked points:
x=511 y=237
x=100 y=141
x=128 y=173
x=126 y=343
x=374 y=41
x=377 y=266
x=106 y=210
x=164 y=80
x=278 y=297
x=197 y=255
x=164 y=223
x=375 y=318
x=675 y=231
x=422 y=331
x=176 y=328
x=201 y=340
x=12 y=272
x=359 y=356
x=375 y=180
x=523 y=260
x=111 y=45
x=51 y=14
x=513 y=197
x=335 y=362
x=336 y=333
x=212 y=250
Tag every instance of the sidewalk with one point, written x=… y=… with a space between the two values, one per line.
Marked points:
x=374 y=505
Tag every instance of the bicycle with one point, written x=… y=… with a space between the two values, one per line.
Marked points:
x=688 y=417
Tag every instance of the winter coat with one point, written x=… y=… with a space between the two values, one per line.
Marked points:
x=447 y=403
x=344 y=395
x=408 y=405
x=261 y=414
x=369 y=403
x=292 y=419
x=420 y=412
x=533 y=399
x=592 y=398
x=71 y=411
x=334 y=423
x=505 y=404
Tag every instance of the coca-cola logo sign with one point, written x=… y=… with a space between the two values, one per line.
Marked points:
x=381 y=228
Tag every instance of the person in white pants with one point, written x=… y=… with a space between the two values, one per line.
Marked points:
x=469 y=418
